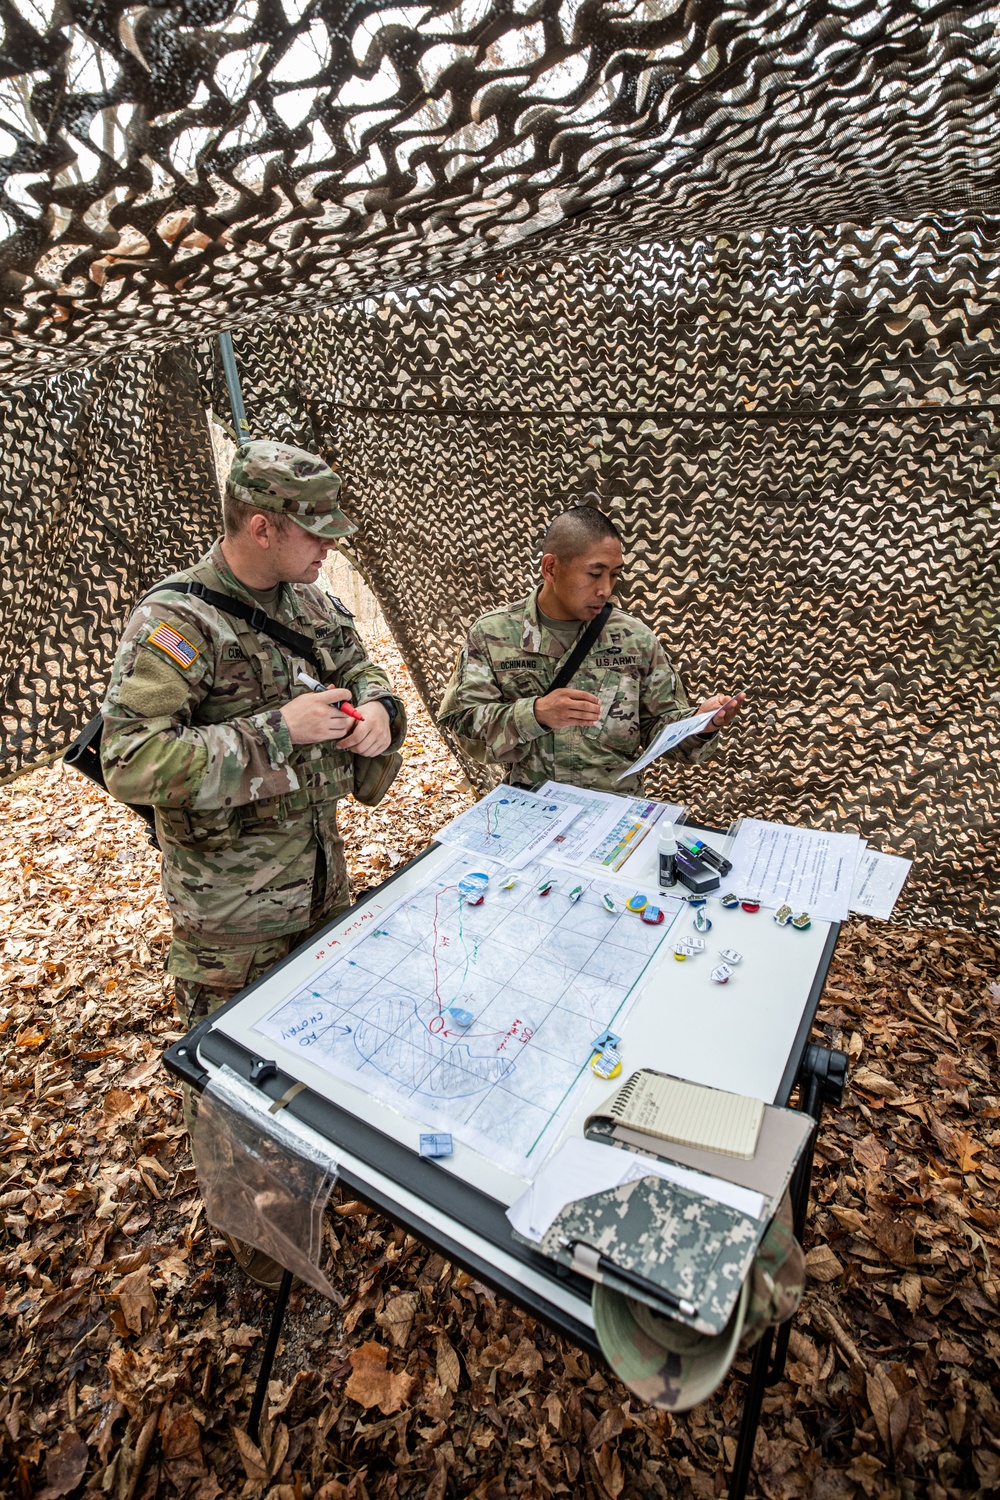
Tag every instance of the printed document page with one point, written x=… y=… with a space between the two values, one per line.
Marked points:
x=509 y=824
x=878 y=881
x=667 y=739
x=808 y=869
x=607 y=828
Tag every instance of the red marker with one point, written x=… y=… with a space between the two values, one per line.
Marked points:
x=320 y=687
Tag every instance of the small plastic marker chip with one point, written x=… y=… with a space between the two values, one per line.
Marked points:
x=575 y=893
x=473 y=887
x=750 y=905
x=545 y=887
x=729 y=900
x=783 y=916
x=730 y=956
x=474 y=900
x=509 y=883
x=687 y=947
x=722 y=975
x=435 y=1145
x=460 y=1017
x=607 y=1064
x=653 y=915
x=702 y=923
x=637 y=903
x=610 y=904
x=695 y=900
x=801 y=921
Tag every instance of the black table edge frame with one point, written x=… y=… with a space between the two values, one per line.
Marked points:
x=467 y=1205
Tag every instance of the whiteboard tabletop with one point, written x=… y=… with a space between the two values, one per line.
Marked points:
x=740 y=1036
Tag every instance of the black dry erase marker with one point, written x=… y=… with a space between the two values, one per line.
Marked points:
x=587 y=1258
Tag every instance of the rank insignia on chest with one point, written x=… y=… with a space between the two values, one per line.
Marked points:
x=174 y=645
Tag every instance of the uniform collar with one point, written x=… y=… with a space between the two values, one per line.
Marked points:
x=535 y=637
x=232 y=585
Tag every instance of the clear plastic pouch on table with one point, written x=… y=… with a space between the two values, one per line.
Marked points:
x=262 y=1180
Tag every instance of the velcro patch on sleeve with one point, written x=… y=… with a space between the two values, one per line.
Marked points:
x=174 y=645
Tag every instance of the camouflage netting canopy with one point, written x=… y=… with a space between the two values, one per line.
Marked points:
x=735 y=266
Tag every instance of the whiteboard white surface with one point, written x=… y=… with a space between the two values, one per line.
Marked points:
x=737 y=1036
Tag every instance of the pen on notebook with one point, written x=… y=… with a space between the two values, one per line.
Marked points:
x=322 y=687
x=596 y=1260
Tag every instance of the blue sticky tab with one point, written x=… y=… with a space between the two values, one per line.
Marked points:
x=435 y=1145
x=461 y=1017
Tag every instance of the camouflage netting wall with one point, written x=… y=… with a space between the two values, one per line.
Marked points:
x=548 y=239
x=795 y=431
x=106 y=483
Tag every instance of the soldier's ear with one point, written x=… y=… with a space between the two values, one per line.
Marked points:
x=550 y=562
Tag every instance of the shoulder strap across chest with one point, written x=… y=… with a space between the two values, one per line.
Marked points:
x=583 y=645
x=257 y=618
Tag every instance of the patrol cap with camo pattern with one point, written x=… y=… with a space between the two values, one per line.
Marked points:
x=666 y=1363
x=292 y=483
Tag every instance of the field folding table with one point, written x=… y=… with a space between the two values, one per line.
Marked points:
x=750 y=1036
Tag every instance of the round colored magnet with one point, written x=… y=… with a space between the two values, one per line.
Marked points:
x=607 y=1064
x=729 y=900
x=473 y=887
x=653 y=915
x=783 y=916
x=462 y=1018
x=610 y=904
x=636 y=903
x=722 y=975
x=750 y=905
x=696 y=900
x=802 y=921
x=730 y=956
x=680 y=954
x=702 y=923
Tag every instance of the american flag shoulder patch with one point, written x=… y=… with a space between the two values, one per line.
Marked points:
x=173 y=644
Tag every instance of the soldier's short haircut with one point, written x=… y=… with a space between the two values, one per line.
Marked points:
x=578 y=530
x=236 y=514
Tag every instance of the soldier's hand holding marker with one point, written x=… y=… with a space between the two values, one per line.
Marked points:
x=327 y=714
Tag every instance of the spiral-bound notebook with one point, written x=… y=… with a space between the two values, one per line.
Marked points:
x=671 y=1109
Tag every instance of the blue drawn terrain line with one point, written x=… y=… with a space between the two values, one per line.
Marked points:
x=618 y=1009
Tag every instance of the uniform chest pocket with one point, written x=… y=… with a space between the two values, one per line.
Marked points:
x=619 y=724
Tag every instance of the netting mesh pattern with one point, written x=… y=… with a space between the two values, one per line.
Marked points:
x=799 y=436
x=170 y=167
x=107 y=482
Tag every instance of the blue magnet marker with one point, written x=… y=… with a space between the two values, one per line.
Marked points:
x=435 y=1145
x=460 y=1017
x=653 y=915
x=575 y=893
x=637 y=903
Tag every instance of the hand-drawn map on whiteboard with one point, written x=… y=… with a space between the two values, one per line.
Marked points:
x=477 y=1019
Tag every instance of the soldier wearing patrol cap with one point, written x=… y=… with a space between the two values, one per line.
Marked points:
x=204 y=719
x=498 y=702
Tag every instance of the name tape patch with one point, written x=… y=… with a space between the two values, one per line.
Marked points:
x=174 y=645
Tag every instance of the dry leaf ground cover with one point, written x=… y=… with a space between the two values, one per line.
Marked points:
x=129 y=1342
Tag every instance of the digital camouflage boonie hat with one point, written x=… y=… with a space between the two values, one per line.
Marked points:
x=667 y=1364
x=292 y=483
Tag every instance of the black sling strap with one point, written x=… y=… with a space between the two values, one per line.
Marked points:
x=256 y=618
x=583 y=645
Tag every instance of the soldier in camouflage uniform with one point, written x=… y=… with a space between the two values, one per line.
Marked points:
x=204 y=720
x=623 y=694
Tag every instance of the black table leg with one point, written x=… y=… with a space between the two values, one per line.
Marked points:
x=752 y=1402
x=270 y=1349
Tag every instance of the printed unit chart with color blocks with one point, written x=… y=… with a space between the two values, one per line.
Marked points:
x=474 y=1002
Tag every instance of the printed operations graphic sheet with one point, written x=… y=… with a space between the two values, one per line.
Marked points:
x=477 y=1019
x=509 y=824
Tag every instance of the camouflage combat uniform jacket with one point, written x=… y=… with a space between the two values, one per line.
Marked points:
x=508 y=661
x=246 y=821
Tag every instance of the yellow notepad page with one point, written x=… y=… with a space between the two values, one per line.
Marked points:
x=689 y=1113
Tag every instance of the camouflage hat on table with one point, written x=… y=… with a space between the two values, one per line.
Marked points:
x=671 y=1366
x=292 y=483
